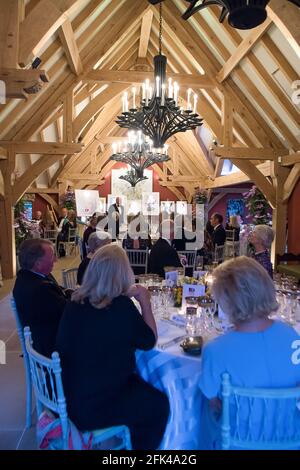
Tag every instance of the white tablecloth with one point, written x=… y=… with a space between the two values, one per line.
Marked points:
x=177 y=374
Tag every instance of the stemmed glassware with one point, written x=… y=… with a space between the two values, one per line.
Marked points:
x=207 y=308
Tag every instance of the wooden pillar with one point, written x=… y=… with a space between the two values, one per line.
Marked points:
x=7 y=232
x=7 y=239
x=279 y=220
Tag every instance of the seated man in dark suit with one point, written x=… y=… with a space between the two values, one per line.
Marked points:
x=162 y=253
x=39 y=299
x=219 y=234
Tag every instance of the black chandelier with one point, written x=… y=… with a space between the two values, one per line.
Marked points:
x=242 y=14
x=138 y=152
x=159 y=116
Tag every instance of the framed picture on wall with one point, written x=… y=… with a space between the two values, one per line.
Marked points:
x=86 y=202
x=181 y=207
x=167 y=206
x=150 y=203
x=101 y=205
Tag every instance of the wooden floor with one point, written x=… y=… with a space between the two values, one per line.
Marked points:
x=13 y=434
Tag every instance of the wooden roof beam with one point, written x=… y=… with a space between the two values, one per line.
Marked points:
x=249 y=153
x=289 y=159
x=42 y=191
x=20 y=82
x=45 y=18
x=130 y=76
x=286 y=17
x=10 y=17
x=291 y=182
x=235 y=178
x=66 y=35
x=243 y=49
x=145 y=34
x=50 y=148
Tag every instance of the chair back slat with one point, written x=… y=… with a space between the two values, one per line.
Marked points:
x=190 y=256
x=138 y=258
x=219 y=253
x=47 y=384
x=232 y=249
x=69 y=277
x=230 y=235
x=49 y=392
x=260 y=418
x=26 y=364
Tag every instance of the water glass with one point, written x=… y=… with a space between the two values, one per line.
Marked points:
x=167 y=301
x=191 y=322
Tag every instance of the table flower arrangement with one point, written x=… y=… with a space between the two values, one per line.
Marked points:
x=177 y=291
x=258 y=207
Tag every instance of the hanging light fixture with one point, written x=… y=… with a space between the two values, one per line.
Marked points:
x=138 y=152
x=242 y=14
x=159 y=116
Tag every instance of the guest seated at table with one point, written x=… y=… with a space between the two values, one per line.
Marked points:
x=91 y=228
x=257 y=352
x=96 y=240
x=69 y=223
x=162 y=253
x=234 y=225
x=261 y=238
x=98 y=335
x=137 y=236
x=218 y=235
x=184 y=234
x=39 y=299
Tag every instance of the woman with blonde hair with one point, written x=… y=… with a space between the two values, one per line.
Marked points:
x=257 y=353
x=234 y=225
x=98 y=336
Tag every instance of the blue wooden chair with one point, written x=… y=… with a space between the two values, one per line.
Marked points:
x=26 y=364
x=259 y=418
x=49 y=393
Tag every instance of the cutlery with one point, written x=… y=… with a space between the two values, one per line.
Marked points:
x=171 y=342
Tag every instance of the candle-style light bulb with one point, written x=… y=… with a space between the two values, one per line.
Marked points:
x=147 y=91
x=195 y=103
x=170 y=94
x=125 y=106
x=176 y=89
x=166 y=149
x=114 y=148
x=150 y=92
x=189 y=106
x=157 y=86
x=119 y=147
x=163 y=93
x=143 y=91
x=150 y=145
x=133 y=97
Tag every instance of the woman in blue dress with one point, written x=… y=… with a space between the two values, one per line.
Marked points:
x=258 y=353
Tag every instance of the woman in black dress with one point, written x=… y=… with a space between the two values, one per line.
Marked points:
x=98 y=335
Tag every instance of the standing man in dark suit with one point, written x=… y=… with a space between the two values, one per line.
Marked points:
x=39 y=299
x=162 y=253
x=62 y=230
x=219 y=234
x=115 y=218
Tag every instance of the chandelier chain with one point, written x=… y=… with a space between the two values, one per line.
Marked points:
x=160 y=28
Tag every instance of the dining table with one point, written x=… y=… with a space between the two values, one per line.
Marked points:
x=176 y=373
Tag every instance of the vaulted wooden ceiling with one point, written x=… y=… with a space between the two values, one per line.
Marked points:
x=91 y=51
